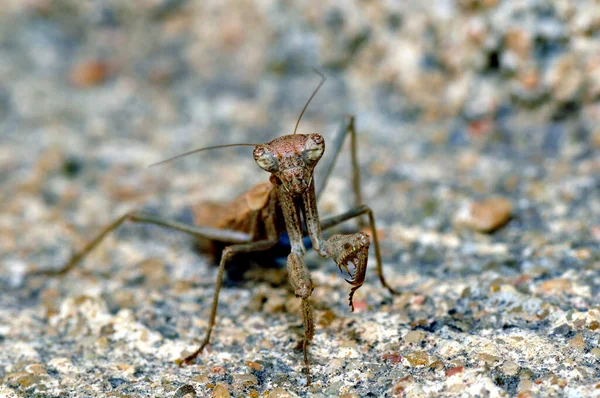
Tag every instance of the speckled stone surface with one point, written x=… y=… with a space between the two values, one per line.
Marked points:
x=479 y=150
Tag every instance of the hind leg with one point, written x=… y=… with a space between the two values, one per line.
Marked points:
x=223 y=235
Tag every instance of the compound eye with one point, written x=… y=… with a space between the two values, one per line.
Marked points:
x=266 y=159
x=314 y=148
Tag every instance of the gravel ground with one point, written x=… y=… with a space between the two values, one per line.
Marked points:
x=479 y=147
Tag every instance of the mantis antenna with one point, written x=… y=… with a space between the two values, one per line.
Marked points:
x=323 y=78
x=199 y=150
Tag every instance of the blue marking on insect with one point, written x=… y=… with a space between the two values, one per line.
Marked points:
x=277 y=255
x=186 y=216
x=283 y=248
x=284 y=241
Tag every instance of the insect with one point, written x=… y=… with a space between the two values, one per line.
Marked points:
x=258 y=219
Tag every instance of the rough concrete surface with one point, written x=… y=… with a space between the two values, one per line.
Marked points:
x=479 y=151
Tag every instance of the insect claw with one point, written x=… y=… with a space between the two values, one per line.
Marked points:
x=350 y=296
x=346 y=268
x=350 y=249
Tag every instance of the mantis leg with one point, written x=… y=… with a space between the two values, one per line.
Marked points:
x=303 y=287
x=228 y=253
x=309 y=332
x=222 y=235
x=346 y=127
x=357 y=212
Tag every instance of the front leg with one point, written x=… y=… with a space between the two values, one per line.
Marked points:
x=357 y=212
x=344 y=249
x=313 y=224
x=302 y=284
x=290 y=210
x=298 y=273
x=350 y=251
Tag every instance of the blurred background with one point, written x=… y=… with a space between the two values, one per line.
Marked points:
x=478 y=127
x=455 y=101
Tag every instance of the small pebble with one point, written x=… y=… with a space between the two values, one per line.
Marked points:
x=454 y=371
x=485 y=216
x=185 y=391
x=279 y=393
x=489 y=359
x=577 y=342
x=335 y=365
x=89 y=73
x=254 y=365
x=392 y=358
x=437 y=365
x=220 y=391
x=417 y=358
x=503 y=95
x=244 y=380
x=36 y=369
x=555 y=286
x=414 y=336
x=510 y=368
x=525 y=385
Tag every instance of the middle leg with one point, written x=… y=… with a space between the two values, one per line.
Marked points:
x=347 y=127
x=228 y=253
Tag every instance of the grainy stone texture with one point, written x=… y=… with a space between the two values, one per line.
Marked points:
x=456 y=102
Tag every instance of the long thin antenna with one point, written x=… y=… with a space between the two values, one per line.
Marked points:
x=323 y=78
x=199 y=150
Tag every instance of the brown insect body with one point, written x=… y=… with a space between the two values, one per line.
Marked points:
x=254 y=221
x=237 y=213
x=291 y=159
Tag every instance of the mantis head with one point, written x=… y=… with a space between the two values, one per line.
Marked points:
x=291 y=159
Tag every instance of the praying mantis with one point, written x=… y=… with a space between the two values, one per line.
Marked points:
x=287 y=203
